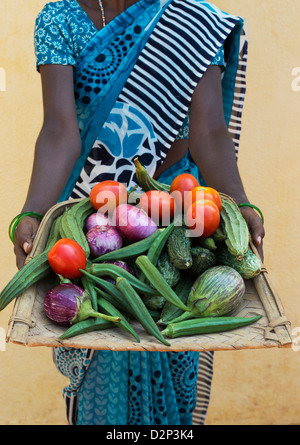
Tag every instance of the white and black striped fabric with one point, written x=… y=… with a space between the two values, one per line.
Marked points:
x=170 y=66
x=204 y=382
x=160 y=88
x=235 y=124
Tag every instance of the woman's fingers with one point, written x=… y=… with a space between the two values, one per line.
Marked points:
x=259 y=247
x=256 y=228
x=24 y=236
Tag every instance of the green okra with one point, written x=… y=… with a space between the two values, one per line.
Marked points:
x=110 y=309
x=207 y=325
x=85 y=326
x=111 y=289
x=131 y=250
x=158 y=282
x=139 y=309
x=114 y=271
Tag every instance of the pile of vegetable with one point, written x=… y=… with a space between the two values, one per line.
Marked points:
x=174 y=258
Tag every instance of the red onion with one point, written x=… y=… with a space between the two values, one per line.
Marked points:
x=133 y=223
x=67 y=304
x=103 y=239
x=97 y=219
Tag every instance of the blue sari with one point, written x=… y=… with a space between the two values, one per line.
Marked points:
x=138 y=111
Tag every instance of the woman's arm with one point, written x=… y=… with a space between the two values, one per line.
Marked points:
x=213 y=150
x=57 y=149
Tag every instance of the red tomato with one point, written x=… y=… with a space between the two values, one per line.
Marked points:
x=107 y=195
x=203 y=218
x=201 y=192
x=181 y=185
x=66 y=258
x=159 y=205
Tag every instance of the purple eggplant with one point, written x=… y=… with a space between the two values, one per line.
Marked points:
x=67 y=304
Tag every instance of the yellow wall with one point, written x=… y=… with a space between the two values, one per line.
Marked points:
x=250 y=387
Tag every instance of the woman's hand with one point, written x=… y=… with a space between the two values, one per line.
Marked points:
x=256 y=228
x=57 y=149
x=24 y=236
x=212 y=149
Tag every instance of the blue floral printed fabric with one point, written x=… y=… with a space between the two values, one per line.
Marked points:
x=139 y=388
x=62 y=31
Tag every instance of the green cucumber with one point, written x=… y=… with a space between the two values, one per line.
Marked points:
x=168 y=270
x=235 y=229
x=248 y=267
x=179 y=248
x=203 y=259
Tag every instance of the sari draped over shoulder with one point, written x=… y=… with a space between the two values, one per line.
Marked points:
x=148 y=61
x=153 y=55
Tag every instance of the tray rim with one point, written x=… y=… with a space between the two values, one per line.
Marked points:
x=277 y=333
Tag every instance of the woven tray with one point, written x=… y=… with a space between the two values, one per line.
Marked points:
x=29 y=326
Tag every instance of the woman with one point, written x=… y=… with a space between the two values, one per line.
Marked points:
x=153 y=78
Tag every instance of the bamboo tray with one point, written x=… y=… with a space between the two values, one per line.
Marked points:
x=29 y=326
